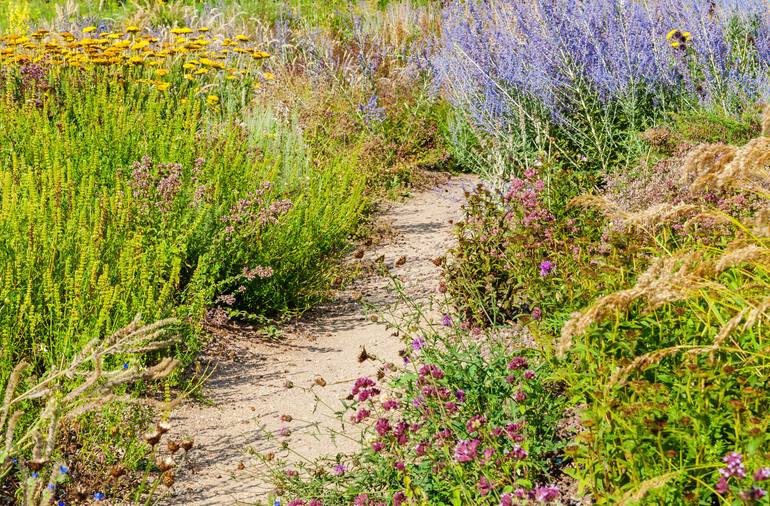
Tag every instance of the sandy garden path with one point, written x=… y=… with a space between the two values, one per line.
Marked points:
x=258 y=383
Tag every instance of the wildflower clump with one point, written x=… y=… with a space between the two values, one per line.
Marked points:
x=474 y=423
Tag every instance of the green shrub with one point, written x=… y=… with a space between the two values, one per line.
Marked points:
x=118 y=199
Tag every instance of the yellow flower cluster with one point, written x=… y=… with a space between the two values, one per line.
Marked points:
x=200 y=52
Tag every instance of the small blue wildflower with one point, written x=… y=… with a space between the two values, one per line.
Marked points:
x=35 y=475
x=64 y=469
x=98 y=496
x=277 y=502
x=125 y=365
x=51 y=486
x=61 y=503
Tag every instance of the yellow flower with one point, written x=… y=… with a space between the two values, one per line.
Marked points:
x=269 y=76
x=243 y=38
x=132 y=29
x=161 y=72
x=212 y=100
x=201 y=71
x=181 y=31
x=89 y=29
x=203 y=29
x=163 y=86
x=212 y=63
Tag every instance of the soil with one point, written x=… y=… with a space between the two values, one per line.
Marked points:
x=267 y=392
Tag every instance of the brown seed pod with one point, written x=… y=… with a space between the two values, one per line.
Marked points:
x=187 y=444
x=168 y=478
x=363 y=355
x=164 y=427
x=359 y=254
x=36 y=465
x=401 y=261
x=286 y=418
x=320 y=381
x=153 y=437
x=172 y=445
x=165 y=464
x=438 y=261
x=117 y=470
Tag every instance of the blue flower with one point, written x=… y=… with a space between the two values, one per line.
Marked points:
x=51 y=486
x=35 y=475
x=98 y=496
x=64 y=469
x=125 y=365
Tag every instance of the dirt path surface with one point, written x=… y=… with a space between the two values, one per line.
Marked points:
x=263 y=393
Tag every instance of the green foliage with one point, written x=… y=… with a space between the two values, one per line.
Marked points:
x=113 y=200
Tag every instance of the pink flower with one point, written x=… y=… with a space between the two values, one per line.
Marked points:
x=546 y=493
x=485 y=486
x=382 y=427
x=517 y=363
x=466 y=451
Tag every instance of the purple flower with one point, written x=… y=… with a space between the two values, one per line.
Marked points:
x=361 y=415
x=547 y=493
x=339 y=469
x=418 y=343
x=762 y=474
x=722 y=487
x=520 y=396
x=390 y=405
x=485 y=486
x=546 y=267
x=460 y=395
x=378 y=446
x=382 y=426
x=399 y=498
x=517 y=363
x=466 y=450
x=446 y=320
x=475 y=423
x=734 y=461
x=537 y=314
x=400 y=466
x=529 y=374
x=518 y=453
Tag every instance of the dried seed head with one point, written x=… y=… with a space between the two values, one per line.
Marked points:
x=164 y=427
x=165 y=464
x=153 y=438
x=36 y=465
x=168 y=478
x=187 y=444
x=172 y=445
x=320 y=381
